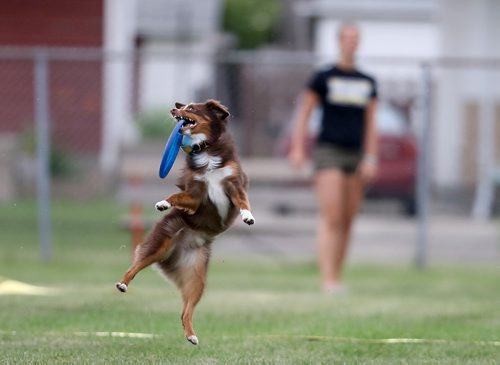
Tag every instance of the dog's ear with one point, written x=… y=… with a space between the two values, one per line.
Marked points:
x=219 y=110
x=179 y=105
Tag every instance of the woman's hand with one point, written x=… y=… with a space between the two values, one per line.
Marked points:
x=368 y=169
x=297 y=156
x=369 y=165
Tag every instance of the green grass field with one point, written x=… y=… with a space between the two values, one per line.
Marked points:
x=252 y=312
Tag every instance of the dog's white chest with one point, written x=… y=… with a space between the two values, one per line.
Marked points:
x=204 y=159
x=216 y=193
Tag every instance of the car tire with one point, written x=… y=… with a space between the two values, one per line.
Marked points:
x=409 y=206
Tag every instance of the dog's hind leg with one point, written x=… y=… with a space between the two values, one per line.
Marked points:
x=192 y=278
x=143 y=258
x=154 y=249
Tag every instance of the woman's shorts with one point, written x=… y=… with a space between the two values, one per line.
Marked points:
x=327 y=156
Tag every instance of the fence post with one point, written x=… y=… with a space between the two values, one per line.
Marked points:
x=485 y=188
x=43 y=178
x=423 y=168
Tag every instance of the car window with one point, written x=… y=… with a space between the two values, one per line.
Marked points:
x=390 y=120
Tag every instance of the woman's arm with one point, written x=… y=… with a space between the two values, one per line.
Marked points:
x=309 y=100
x=369 y=164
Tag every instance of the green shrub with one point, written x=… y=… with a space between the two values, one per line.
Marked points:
x=253 y=22
x=61 y=162
x=155 y=124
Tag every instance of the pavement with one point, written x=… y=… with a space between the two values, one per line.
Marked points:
x=381 y=234
x=285 y=211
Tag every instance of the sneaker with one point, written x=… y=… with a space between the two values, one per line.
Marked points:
x=335 y=289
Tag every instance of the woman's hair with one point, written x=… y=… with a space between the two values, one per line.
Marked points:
x=346 y=24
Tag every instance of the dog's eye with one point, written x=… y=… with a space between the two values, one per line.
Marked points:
x=190 y=109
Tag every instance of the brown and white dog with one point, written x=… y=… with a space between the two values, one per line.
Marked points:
x=213 y=192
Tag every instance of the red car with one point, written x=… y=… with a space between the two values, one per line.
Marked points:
x=397 y=157
x=396 y=177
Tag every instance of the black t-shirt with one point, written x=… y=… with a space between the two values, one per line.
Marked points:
x=344 y=97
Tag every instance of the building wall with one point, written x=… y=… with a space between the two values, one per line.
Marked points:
x=167 y=77
x=59 y=23
x=468 y=29
x=180 y=43
x=389 y=49
x=396 y=39
x=75 y=86
x=119 y=75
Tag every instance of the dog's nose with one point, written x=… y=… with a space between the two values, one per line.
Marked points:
x=172 y=110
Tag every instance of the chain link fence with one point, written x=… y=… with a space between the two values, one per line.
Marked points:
x=260 y=88
x=99 y=105
x=101 y=109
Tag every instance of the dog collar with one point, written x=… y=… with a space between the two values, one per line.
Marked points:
x=198 y=148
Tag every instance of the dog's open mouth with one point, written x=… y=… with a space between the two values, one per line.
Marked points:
x=188 y=122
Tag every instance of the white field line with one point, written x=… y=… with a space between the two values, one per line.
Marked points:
x=388 y=341
x=92 y=334
x=117 y=334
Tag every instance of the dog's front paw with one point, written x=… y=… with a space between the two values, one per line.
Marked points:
x=162 y=205
x=247 y=217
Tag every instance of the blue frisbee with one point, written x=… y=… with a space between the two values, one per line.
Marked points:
x=172 y=147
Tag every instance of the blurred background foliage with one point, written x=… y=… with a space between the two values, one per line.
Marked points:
x=253 y=22
x=61 y=162
x=155 y=125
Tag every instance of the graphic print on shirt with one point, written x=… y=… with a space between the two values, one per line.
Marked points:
x=348 y=91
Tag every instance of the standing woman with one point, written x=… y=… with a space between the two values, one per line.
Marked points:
x=345 y=155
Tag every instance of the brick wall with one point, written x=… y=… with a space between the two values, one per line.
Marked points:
x=75 y=86
x=71 y=23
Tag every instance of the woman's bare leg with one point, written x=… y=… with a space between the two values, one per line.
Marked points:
x=331 y=196
x=354 y=196
x=339 y=197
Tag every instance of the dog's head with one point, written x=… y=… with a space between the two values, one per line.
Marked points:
x=203 y=122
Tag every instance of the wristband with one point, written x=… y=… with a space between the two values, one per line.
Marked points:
x=371 y=159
